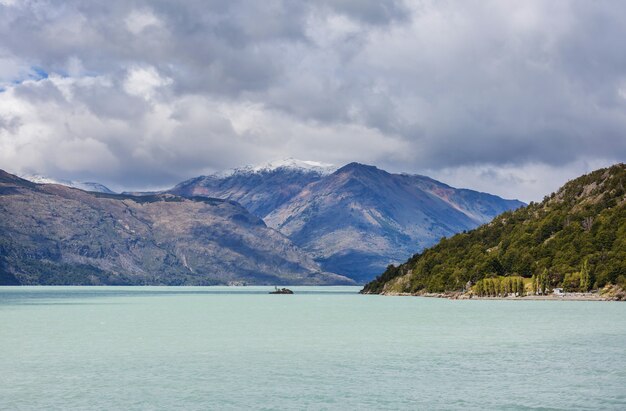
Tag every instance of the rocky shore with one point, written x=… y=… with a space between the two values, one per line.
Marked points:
x=609 y=293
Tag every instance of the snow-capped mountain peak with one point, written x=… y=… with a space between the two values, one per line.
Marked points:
x=288 y=163
x=86 y=186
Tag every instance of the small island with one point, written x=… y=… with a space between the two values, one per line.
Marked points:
x=281 y=291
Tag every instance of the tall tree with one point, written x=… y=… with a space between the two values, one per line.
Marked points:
x=585 y=280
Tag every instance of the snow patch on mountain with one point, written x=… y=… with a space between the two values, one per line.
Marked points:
x=291 y=164
x=86 y=186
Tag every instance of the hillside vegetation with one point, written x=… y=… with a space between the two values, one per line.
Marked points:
x=574 y=238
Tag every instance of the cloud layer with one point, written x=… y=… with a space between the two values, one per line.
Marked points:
x=507 y=97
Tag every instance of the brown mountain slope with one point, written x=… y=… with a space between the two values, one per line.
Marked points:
x=51 y=234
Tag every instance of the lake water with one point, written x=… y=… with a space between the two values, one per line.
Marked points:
x=199 y=348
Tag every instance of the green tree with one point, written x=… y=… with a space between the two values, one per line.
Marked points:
x=479 y=288
x=545 y=281
x=520 y=286
x=572 y=282
x=585 y=279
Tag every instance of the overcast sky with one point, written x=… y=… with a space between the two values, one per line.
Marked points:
x=509 y=97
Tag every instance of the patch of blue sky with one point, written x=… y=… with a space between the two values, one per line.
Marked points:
x=40 y=74
x=37 y=73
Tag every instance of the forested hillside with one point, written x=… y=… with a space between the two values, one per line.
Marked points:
x=574 y=238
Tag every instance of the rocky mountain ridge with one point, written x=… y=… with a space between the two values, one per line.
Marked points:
x=82 y=185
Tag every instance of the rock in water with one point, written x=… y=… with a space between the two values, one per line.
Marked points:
x=281 y=291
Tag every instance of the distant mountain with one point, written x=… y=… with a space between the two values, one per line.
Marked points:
x=355 y=220
x=261 y=189
x=86 y=186
x=575 y=239
x=359 y=219
x=51 y=234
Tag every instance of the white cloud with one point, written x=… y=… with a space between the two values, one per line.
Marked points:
x=484 y=94
x=138 y=20
x=528 y=182
x=75 y=67
x=144 y=81
x=12 y=69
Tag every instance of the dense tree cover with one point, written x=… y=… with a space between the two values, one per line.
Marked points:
x=500 y=286
x=575 y=238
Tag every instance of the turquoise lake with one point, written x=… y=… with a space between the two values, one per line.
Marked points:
x=200 y=348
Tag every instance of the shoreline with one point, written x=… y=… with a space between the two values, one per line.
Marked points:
x=549 y=297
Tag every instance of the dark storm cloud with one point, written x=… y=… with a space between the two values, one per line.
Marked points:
x=150 y=92
x=228 y=46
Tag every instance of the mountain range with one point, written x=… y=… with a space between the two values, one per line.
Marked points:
x=52 y=234
x=354 y=220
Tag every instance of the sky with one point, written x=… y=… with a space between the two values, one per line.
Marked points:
x=508 y=97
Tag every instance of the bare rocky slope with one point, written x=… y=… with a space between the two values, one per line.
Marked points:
x=51 y=234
